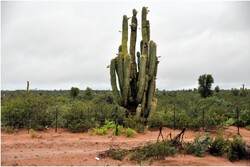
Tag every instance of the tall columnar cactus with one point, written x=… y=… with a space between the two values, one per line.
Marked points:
x=136 y=76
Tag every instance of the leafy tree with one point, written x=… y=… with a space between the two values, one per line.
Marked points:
x=235 y=91
x=74 y=92
x=205 y=83
x=217 y=89
x=89 y=93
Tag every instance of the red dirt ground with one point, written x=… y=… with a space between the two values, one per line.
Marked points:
x=80 y=149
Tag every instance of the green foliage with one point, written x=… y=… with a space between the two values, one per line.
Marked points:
x=22 y=112
x=32 y=133
x=218 y=146
x=188 y=148
x=200 y=145
x=217 y=89
x=245 y=117
x=38 y=110
x=9 y=129
x=120 y=130
x=156 y=150
x=133 y=123
x=235 y=91
x=74 y=91
x=156 y=121
x=100 y=131
x=89 y=94
x=229 y=122
x=248 y=127
x=109 y=124
x=76 y=118
x=205 y=84
x=237 y=149
x=129 y=132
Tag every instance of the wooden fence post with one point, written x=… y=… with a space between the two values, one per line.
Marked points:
x=203 y=119
x=174 y=119
x=56 y=120
x=238 y=120
x=116 y=120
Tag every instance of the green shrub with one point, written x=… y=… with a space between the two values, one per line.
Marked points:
x=32 y=133
x=76 y=117
x=9 y=129
x=109 y=124
x=156 y=121
x=201 y=145
x=129 y=132
x=188 y=148
x=247 y=127
x=120 y=130
x=132 y=123
x=229 y=122
x=100 y=131
x=237 y=149
x=218 y=146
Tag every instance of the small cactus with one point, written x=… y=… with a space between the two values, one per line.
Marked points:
x=136 y=76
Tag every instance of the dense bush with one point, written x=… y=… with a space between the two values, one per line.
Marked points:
x=199 y=146
x=218 y=146
x=237 y=149
x=133 y=123
x=77 y=118
x=28 y=112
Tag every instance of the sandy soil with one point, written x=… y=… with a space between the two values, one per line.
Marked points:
x=79 y=149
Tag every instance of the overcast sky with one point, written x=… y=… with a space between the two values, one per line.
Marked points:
x=57 y=45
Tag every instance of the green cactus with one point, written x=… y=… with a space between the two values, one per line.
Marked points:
x=136 y=76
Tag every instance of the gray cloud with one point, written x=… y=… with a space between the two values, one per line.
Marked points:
x=56 y=45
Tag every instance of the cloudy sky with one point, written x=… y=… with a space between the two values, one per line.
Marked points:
x=57 y=45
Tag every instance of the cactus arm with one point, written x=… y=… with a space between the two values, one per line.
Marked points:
x=156 y=67
x=146 y=83
x=143 y=104
x=148 y=29
x=132 y=52
x=133 y=43
x=120 y=70
x=153 y=108
x=124 y=36
x=126 y=79
x=115 y=91
x=144 y=24
x=150 y=92
x=141 y=78
x=152 y=63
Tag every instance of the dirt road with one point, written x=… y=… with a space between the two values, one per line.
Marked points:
x=79 y=149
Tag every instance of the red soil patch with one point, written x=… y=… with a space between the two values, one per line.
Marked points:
x=79 y=149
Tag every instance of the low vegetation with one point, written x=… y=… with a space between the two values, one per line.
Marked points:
x=235 y=149
x=89 y=109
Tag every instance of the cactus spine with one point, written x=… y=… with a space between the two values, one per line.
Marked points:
x=136 y=76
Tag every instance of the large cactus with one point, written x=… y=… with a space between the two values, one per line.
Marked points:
x=136 y=79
